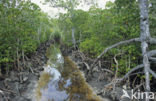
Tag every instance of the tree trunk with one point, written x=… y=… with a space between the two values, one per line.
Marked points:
x=17 y=55
x=145 y=38
x=39 y=32
x=73 y=38
x=23 y=58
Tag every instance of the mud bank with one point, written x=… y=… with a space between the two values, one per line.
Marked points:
x=98 y=85
x=19 y=86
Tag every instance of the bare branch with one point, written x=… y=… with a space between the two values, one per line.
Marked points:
x=117 y=66
x=153 y=73
x=126 y=76
x=151 y=53
x=113 y=46
x=118 y=44
x=107 y=70
x=138 y=86
x=152 y=41
x=132 y=70
x=152 y=59
x=88 y=68
x=136 y=73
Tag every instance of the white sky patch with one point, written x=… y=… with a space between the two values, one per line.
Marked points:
x=102 y=3
x=53 y=12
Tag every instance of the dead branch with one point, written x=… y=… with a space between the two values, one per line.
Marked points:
x=126 y=75
x=131 y=71
x=32 y=71
x=138 y=86
x=5 y=90
x=85 y=57
x=115 y=81
x=136 y=73
x=88 y=67
x=153 y=73
x=152 y=41
x=117 y=66
x=107 y=70
x=151 y=53
x=133 y=83
x=152 y=59
x=113 y=46
x=82 y=55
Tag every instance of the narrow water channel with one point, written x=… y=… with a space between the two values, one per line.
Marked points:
x=61 y=80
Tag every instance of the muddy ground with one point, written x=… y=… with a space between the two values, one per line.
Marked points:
x=20 y=86
x=99 y=80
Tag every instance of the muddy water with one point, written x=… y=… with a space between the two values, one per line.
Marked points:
x=61 y=80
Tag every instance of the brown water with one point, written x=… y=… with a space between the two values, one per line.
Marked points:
x=62 y=81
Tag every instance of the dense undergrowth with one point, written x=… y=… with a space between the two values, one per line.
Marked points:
x=97 y=29
x=23 y=28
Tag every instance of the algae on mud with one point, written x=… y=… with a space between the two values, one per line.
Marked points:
x=61 y=80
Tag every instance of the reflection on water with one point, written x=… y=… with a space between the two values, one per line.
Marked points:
x=51 y=92
x=61 y=80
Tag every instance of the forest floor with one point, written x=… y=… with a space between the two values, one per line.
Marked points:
x=19 y=86
x=98 y=85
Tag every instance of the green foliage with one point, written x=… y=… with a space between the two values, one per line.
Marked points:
x=152 y=18
x=97 y=29
x=23 y=27
x=91 y=46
